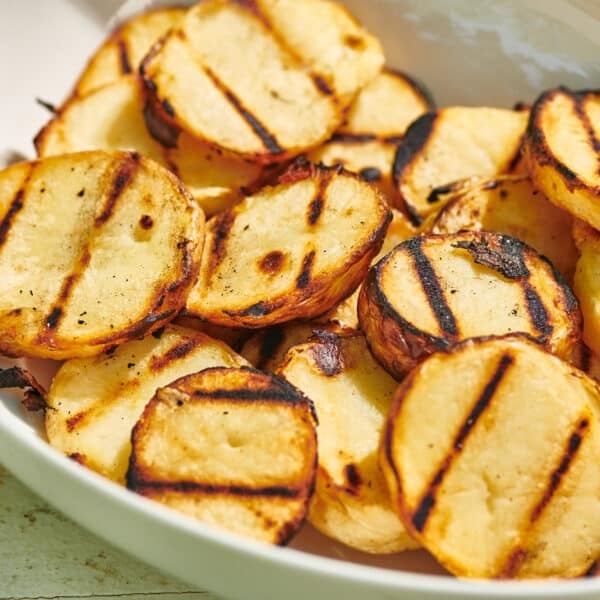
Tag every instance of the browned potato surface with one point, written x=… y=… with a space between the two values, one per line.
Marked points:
x=432 y=292
x=491 y=453
x=313 y=56
x=98 y=248
x=205 y=446
x=291 y=251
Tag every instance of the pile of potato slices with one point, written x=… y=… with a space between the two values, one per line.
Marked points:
x=285 y=287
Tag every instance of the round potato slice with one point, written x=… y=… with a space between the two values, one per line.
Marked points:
x=561 y=150
x=95 y=402
x=111 y=118
x=377 y=119
x=203 y=76
x=491 y=453
x=205 y=446
x=450 y=144
x=351 y=394
x=123 y=51
x=97 y=248
x=291 y=251
x=511 y=205
x=434 y=291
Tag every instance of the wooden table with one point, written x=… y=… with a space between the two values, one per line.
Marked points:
x=44 y=555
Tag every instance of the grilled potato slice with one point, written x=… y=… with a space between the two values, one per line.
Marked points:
x=511 y=205
x=345 y=313
x=561 y=150
x=290 y=251
x=432 y=292
x=377 y=120
x=204 y=80
x=450 y=144
x=204 y=446
x=491 y=485
x=111 y=118
x=97 y=248
x=351 y=394
x=123 y=51
x=95 y=402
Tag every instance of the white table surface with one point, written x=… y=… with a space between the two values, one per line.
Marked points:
x=43 y=555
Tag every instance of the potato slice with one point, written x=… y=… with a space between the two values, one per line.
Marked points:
x=432 y=292
x=511 y=205
x=111 y=118
x=450 y=144
x=345 y=313
x=492 y=485
x=97 y=248
x=291 y=251
x=352 y=394
x=561 y=150
x=204 y=79
x=95 y=402
x=123 y=51
x=204 y=445
x=377 y=120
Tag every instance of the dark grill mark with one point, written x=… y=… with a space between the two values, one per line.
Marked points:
x=352 y=138
x=569 y=454
x=177 y=352
x=584 y=117
x=15 y=206
x=423 y=511
x=54 y=317
x=123 y=177
x=168 y=107
x=272 y=262
x=327 y=354
x=268 y=140
x=259 y=309
x=73 y=422
x=431 y=287
x=354 y=41
x=321 y=84
x=370 y=174
x=537 y=312
x=163 y=131
x=352 y=476
x=315 y=208
x=146 y=222
x=270 y=343
x=124 y=56
x=250 y=395
x=221 y=227
x=303 y=278
x=513 y=562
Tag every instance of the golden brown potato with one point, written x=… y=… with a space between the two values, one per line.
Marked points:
x=205 y=446
x=95 y=402
x=377 y=120
x=351 y=394
x=490 y=484
x=203 y=76
x=561 y=150
x=451 y=144
x=111 y=118
x=511 y=205
x=432 y=292
x=291 y=251
x=123 y=51
x=97 y=248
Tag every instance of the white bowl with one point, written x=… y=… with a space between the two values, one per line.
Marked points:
x=485 y=52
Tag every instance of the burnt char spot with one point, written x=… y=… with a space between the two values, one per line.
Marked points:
x=268 y=140
x=124 y=56
x=370 y=174
x=54 y=317
x=352 y=138
x=15 y=206
x=123 y=177
x=321 y=84
x=303 y=278
x=352 y=475
x=513 y=562
x=73 y=422
x=221 y=227
x=271 y=340
x=259 y=309
x=507 y=259
x=569 y=454
x=423 y=511
x=177 y=352
x=164 y=132
x=441 y=190
x=537 y=312
x=146 y=222
x=431 y=287
x=34 y=397
x=327 y=354
x=272 y=262
x=168 y=107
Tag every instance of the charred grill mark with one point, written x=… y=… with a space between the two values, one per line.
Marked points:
x=352 y=476
x=537 y=311
x=124 y=56
x=163 y=131
x=15 y=206
x=370 y=174
x=177 y=352
x=75 y=420
x=221 y=226
x=247 y=395
x=569 y=454
x=584 y=117
x=413 y=142
x=321 y=84
x=327 y=355
x=268 y=140
x=586 y=358
x=53 y=319
x=343 y=137
x=303 y=278
x=270 y=343
x=431 y=286
x=421 y=514
x=513 y=563
x=168 y=107
x=315 y=208
x=259 y=309
x=123 y=177
x=272 y=262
